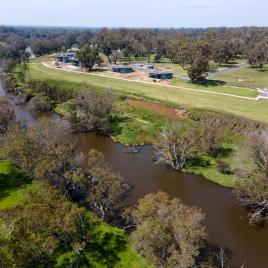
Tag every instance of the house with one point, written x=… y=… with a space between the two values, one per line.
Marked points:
x=160 y=75
x=122 y=69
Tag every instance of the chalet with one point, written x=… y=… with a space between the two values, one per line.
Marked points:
x=122 y=69
x=160 y=75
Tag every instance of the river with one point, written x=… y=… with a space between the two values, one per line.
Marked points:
x=225 y=221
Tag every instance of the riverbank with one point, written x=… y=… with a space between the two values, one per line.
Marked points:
x=138 y=121
x=226 y=222
x=15 y=187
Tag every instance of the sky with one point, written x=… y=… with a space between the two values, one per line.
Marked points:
x=134 y=13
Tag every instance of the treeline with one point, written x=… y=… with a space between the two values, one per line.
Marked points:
x=192 y=49
x=225 y=42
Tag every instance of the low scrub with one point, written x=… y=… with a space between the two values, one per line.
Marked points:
x=40 y=103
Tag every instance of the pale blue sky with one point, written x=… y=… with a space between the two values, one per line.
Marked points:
x=134 y=13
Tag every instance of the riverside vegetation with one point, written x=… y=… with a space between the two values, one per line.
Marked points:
x=43 y=178
x=224 y=138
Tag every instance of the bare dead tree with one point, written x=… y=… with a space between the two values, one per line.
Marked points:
x=177 y=144
x=258 y=143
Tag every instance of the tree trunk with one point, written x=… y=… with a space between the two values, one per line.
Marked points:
x=149 y=58
x=108 y=56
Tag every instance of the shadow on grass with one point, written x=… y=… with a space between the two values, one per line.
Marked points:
x=223 y=152
x=12 y=180
x=209 y=83
x=98 y=70
x=114 y=128
x=199 y=162
x=263 y=70
x=105 y=248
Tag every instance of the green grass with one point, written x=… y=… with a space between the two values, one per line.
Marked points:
x=13 y=185
x=109 y=248
x=256 y=110
x=136 y=126
x=129 y=125
x=232 y=144
x=239 y=91
x=126 y=256
x=211 y=173
x=247 y=76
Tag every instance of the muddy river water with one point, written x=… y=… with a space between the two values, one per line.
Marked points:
x=225 y=221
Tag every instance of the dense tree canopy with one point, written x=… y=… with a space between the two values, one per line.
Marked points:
x=88 y=55
x=32 y=234
x=168 y=233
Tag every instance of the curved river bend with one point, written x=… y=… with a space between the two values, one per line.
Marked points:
x=225 y=221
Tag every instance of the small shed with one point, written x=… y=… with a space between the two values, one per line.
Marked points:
x=138 y=65
x=160 y=75
x=66 y=59
x=63 y=58
x=148 y=66
x=122 y=69
x=60 y=58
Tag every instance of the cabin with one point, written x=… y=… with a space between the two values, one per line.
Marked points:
x=69 y=57
x=138 y=65
x=122 y=69
x=160 y=75
x=146 y=66
x=62 y=58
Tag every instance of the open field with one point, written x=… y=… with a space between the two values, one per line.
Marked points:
x=248 y=76
x=252 y=109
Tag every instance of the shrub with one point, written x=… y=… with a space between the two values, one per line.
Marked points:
x=223 y=167
x=92 y=111
x=40 y=103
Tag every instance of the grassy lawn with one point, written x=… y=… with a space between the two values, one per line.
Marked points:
x=247 y=76
x=214 y=87
x=256 y=110
x=13 y=185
